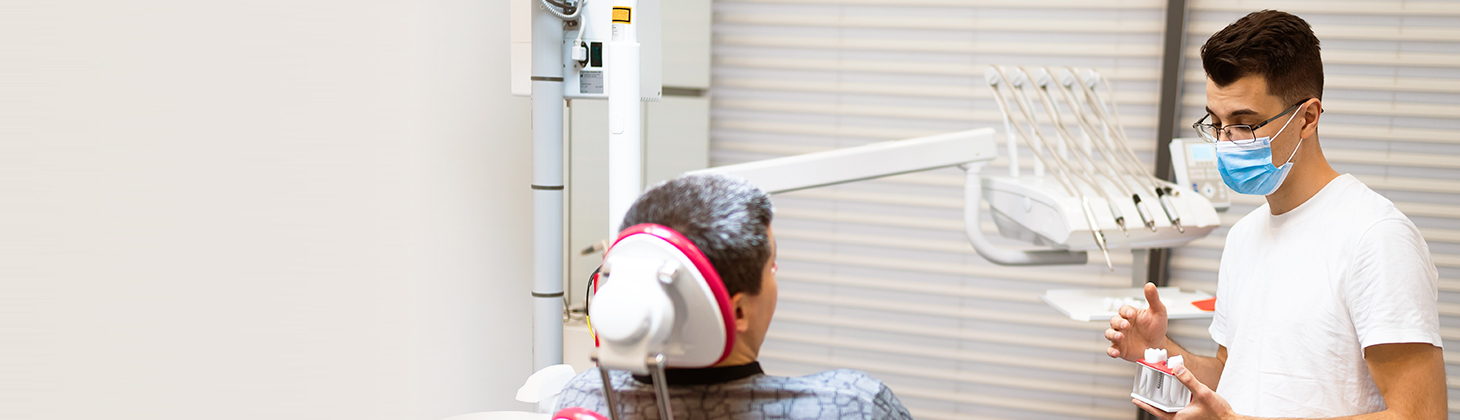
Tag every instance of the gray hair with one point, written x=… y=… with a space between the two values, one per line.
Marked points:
x=725 y=216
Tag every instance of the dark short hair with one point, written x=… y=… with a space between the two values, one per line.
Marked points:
x=1276 y=45
x=725 y=216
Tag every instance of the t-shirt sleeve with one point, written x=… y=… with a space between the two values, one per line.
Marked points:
x=1394 y=287
x=1218 y=328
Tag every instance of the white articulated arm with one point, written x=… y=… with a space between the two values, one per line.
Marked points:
x=970 y=149
x=870 y=161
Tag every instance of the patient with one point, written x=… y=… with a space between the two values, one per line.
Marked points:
x=729 y=220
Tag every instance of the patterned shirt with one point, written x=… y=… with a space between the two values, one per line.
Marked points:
x=740 y=392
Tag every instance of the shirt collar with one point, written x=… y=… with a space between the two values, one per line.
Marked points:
x=705 y=376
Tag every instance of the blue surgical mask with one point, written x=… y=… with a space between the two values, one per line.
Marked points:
x=1248 y=167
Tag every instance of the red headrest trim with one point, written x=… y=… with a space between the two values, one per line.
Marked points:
x=701 y=263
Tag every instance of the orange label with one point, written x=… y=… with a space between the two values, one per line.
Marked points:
x=622 y=15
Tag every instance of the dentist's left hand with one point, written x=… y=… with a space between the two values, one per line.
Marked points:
x=1205 y=404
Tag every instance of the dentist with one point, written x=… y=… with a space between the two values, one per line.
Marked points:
x=1326 y=295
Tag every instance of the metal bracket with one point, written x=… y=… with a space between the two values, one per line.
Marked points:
x=608 y=396
x=656 y=364
x=661 y=385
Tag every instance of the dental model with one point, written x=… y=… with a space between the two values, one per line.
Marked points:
x=1157 y=385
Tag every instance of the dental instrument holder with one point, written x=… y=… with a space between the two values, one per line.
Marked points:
x=1158 y=386
x=1063 y=117
x=1054 y=212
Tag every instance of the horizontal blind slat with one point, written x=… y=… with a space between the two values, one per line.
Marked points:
x=944 y=46
x=726 y=60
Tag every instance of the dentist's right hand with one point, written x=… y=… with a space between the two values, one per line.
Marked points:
x=1133 y=330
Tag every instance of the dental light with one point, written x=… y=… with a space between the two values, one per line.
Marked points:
x=660 y=304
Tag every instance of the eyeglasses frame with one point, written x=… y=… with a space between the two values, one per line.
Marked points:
x=1226 y=129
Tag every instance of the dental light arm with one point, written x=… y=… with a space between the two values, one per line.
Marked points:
x=970 y=150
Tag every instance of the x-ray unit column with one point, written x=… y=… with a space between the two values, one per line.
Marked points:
x=547 y=188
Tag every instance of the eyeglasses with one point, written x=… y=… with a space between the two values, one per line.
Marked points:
x=1237 y=133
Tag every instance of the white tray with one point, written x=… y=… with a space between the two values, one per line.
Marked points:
x=1089 y=304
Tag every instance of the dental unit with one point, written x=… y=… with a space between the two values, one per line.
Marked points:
x=659 y=306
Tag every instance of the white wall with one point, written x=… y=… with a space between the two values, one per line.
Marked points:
x=261 y=209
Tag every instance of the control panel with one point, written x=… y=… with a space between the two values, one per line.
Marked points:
x=587 y=65
x=584 y=78
x=1195 y=164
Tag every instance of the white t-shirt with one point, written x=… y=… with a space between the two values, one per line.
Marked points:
x=1301 y=294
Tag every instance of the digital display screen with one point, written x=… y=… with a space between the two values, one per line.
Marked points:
x=1203 y=151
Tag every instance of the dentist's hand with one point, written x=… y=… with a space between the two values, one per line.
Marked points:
x=1205 y=404
x=1135 y=330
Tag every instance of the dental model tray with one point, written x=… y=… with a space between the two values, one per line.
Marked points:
x=1101 y=304
x=1157 y=386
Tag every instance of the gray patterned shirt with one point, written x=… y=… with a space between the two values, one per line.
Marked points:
x=740 y=392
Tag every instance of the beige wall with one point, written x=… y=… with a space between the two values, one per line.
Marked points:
x=261 y=209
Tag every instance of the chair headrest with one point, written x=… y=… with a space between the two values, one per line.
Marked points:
x=659 y=294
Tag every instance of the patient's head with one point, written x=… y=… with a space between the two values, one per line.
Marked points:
x=729 y=220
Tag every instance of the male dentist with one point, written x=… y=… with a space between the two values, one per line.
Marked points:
x=1326 y=296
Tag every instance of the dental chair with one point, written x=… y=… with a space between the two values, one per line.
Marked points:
x=658 y=304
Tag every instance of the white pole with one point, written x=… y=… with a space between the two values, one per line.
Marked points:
x=625 y=177
x=547 y=188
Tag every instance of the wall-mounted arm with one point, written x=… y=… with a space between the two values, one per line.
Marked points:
x=970 y=149
x=870 y=161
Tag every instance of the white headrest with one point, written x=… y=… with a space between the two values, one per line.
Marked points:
x=660 y=295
